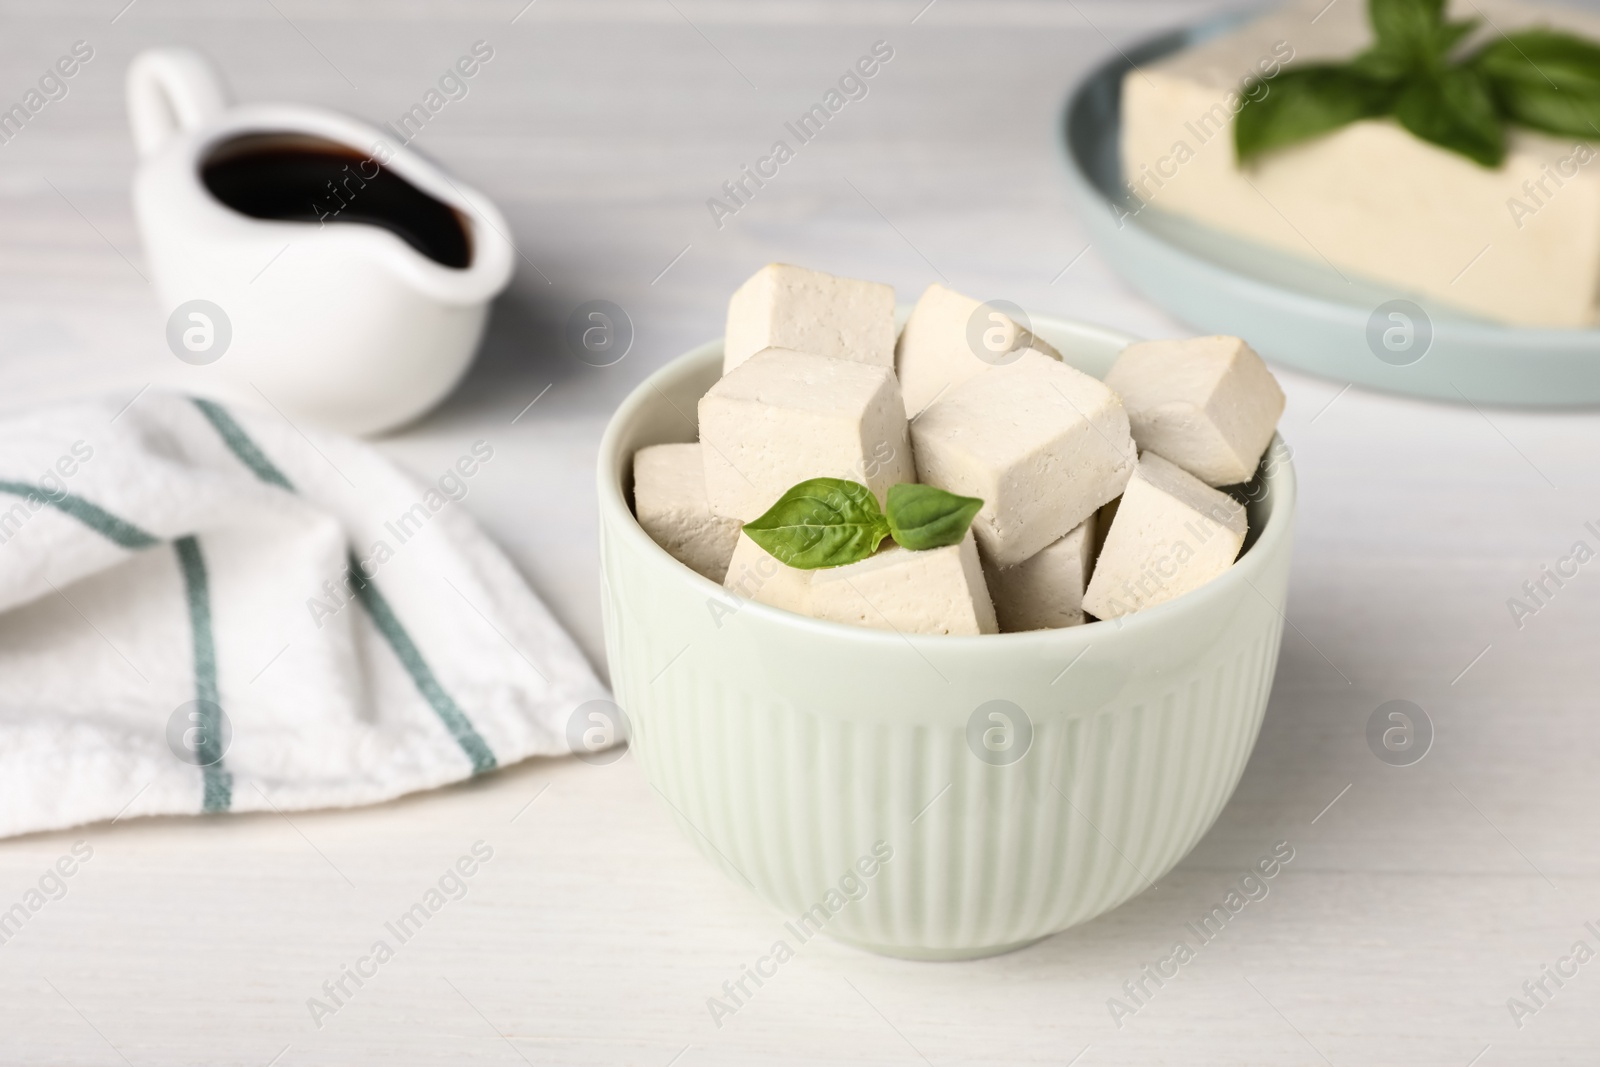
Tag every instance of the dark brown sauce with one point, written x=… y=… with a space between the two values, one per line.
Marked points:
x=296 y=178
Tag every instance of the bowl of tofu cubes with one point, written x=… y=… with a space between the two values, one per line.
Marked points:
x=943 y=629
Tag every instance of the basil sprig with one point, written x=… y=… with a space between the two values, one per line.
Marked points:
x=1538 y=78
x=829 y=522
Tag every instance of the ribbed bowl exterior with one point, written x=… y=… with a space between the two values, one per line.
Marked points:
x=840 y=773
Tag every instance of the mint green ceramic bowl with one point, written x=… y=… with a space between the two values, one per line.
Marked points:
x=798 y=754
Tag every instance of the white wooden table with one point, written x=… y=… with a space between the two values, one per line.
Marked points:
x=1419 y=899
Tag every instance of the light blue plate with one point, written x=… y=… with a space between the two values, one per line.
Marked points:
x=1300 y=313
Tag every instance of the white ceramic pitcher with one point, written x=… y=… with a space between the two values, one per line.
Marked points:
x=342 y=324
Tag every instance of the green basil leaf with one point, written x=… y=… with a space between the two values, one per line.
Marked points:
x=822 y=522
x=921 y=516
x=1454 y=109
x=1545 y=58
x=1407 y=28
x=1542 y=108
x=1392 y=58
x=1306 y=102
x=1546 y=81
x=1451 y=34
x=1381 y=64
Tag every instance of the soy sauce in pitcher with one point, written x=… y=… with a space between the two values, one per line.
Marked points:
x=298 y=178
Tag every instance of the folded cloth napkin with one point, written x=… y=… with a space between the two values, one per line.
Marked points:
x=206 y=610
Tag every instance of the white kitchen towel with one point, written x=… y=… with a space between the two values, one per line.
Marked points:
x=205 y=609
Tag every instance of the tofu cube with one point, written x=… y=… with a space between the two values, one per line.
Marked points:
x=935 y=591
x=754 y=574
x=669 y=499
x=1208 y=404
x=790 y=307
x=1045 y=591
x=942 y=345
x=781 y=417
x=1172 y=534
x=1041 y=444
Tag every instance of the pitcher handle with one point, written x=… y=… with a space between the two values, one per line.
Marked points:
x=171 y=91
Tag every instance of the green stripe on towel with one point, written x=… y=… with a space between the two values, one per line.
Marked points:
x=218 y=779
x=240 y=444
x=383 y=617
x=454 y=719
x=218 y=794
x=91 y=515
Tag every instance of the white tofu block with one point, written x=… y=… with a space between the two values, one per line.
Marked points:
x=938 y=347
x=669 y=499
x=1045 y=591
x=782 y=417
x=1041 y=444
x=753 y=574
x=791 y=307
x=1172 y=534
x=1208 y=404
x=1519 y=243
x=935 y=591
